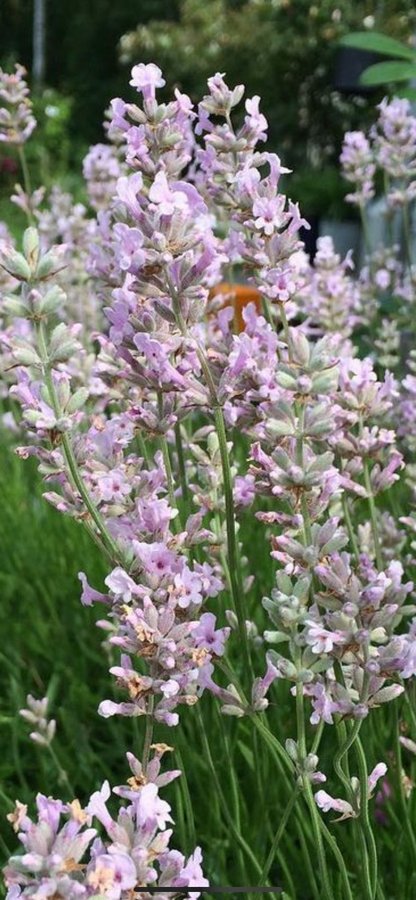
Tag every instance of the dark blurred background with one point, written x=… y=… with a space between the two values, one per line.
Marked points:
x=284 y=50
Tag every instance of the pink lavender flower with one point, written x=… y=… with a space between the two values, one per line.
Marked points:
x=36 y=714
x=357 y=161
x=101 y=170
x=16 y=119
x=69 y=859
x=394 y=138
x=346 y=810
x=328 y=296
x=146 y=78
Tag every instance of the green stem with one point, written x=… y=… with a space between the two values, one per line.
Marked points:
x=310 y=868
x=365 y=819
x=76 y=478
x=267 y=312
x=410 y=708
x=273 y=743
x=400 y=789
x=61 y=771
x=407 y=235
x=371 y=505
x=368 y=846
x=373 y=515
x=26 y=181
x=148 y=735
x=343 y=750
x=286 y=331
x=166 y=457
x=318 y=736
x=344 y=776
x=350 y=527
x=277 y=838
x=143 y=450
x=186 y=497
x=366 y=230
x=237 y=591
x=236 y=584
x=285 y=769
x=332 y=844
x=235 y=792
x=187 y=801
x=317 y=832
x=223 y=802
x=310 y=802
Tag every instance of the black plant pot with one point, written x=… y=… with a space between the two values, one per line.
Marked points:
x=310 y=235
x=349 y=65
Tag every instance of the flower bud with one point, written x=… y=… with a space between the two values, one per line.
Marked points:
x=62 y=344
x=26 y=356
x=285 y=380
x=51 y=301
x=31 y=247
x=15 y=264
x=311 y=762
x=15 y=307
x=78 y=399
x=300 y=346
x=50 y=263
x=291 y=748
x=229 y=710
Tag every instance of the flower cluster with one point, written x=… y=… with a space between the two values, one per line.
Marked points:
x=65 y=856
x=394 y=141
x=335 y=612
x=391 y=149
x=160 y=428
x=348 y=810
x=154 y=593
x=357 y=161
x=36 y=714
x=16 y=118
x=329 y=297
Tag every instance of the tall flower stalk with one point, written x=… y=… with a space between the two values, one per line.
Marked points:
x=159 y=428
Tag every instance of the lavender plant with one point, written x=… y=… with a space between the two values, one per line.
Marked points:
x=160 y=430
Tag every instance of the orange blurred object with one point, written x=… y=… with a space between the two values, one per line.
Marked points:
x=238 y=296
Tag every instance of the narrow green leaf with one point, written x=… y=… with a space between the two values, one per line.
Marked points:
x=383 y=73
x=375 y=42
x=248 y=756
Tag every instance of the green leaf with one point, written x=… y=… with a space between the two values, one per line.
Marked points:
x=248 y=756
x=383 y=73
x=408 y=93
x=390 y=305
x=376 y=42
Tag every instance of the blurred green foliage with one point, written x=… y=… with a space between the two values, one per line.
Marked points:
x=283 y=50
x=81 y=49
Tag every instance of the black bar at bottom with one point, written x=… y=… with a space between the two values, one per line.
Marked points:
x=213 y=890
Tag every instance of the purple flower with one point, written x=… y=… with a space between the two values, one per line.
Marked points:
x=89 y=595
x=121 y=585
x=146 y=78
x=110 y=874
x=206 y=635
x=357 y=161
x=16 y=119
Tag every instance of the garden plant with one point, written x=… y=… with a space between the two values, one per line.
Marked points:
x=248 y=492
